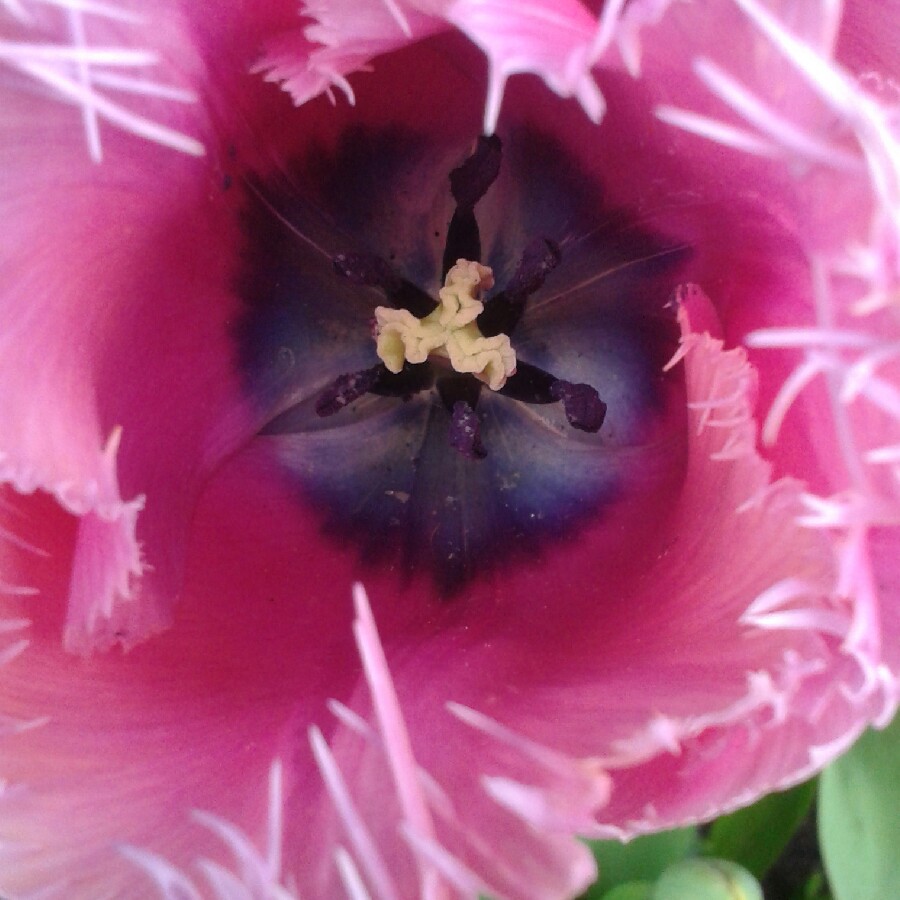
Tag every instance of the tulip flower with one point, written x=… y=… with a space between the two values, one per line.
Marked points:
x=433 y=432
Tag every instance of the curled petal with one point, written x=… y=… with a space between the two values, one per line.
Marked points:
x=553 y=41
x=119 y=328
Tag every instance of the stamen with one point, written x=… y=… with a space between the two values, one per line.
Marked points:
x=411 y=380
x=449 y=331
x=453 y=388
x=468 y=184
x=345 y=389
x=530 y=384
x=582 y=404
x=503 y=311
x=540 y=258
x=416 y=338
x=470 y=181
x=465 y=431
x=373 y=271
x=584 y=408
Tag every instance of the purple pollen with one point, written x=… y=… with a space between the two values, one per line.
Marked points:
x=503 y=311
x=540 y=258
x=465 y=431
x=345 y=389
x=582 y=404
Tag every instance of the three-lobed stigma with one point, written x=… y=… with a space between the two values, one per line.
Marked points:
x=450 y=331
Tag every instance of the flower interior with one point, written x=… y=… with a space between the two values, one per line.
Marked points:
x=442 y=427
x=482 y=372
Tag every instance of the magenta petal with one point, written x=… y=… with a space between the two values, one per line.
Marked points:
x=724 y=625
x=116 y=371
x=320 y=56
x=191 y=720
x=789 y=635
x=749 y=682
x=554 y=41
x=399 y=813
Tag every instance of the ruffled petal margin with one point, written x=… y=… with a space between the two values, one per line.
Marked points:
x=751 y=647
x=106 y=287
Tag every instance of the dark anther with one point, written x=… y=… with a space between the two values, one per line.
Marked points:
x=344 y=390
x=468 y=184
x=470 y=181
x=373 y=271
x=465 y=431
x=584 y=408
x=504 y=310
x=459 y=394
x=582 y=404
x=540 y=258
x=378 y=380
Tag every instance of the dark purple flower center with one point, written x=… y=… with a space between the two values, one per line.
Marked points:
x=460 y=391
x=427 y=468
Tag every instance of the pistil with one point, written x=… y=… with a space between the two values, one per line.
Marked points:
x=450 y=331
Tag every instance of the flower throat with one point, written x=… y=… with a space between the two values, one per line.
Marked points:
x=434 y=425
x=461 y=344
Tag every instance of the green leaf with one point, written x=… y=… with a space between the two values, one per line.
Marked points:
x=755 y=837
x=859 y=818
x=643 y=859
x=815 y=888
x=706 y=879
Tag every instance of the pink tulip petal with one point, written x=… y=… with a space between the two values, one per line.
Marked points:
x=451 y=843
x=760 y=713
x=727 y=631
x=316 y=59
x=553 y=41
x=128 y=425
x=191 y=720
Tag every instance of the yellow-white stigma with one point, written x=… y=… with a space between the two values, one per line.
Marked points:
x=449 y=331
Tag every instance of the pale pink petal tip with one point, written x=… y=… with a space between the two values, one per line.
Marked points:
x=96 y=68
x=556 y=41
x=416 y=816
x=253 y=873
x=107 y=565
x=64 y=418
x=103 y=608
x=829 y=127
x=842 y=127
x=570 y=791
x=807 y=640
x=390 y=717
x=551 y=40
x=381 y=791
